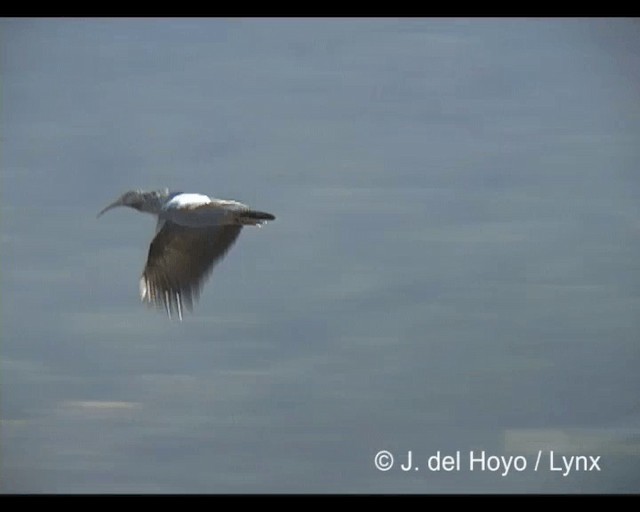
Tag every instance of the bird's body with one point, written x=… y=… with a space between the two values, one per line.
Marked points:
x=193 y=233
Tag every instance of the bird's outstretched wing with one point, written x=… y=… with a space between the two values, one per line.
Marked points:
x=180 y=260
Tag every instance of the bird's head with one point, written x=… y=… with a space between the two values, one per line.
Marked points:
x=139 y=200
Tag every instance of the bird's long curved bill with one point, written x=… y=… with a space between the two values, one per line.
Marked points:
x=112 y=205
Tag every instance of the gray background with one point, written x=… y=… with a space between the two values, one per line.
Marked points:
x=454 y=265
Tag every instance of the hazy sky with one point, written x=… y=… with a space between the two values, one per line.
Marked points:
x=454 y=267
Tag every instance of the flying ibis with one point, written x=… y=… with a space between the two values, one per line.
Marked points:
x=193 y=233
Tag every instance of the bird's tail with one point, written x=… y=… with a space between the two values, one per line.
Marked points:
x=253 y=217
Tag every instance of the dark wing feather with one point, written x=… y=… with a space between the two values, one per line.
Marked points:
x=180 y=259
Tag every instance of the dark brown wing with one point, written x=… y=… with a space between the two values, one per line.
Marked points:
x=180 y=259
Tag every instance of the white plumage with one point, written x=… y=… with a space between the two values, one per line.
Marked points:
x=194 y=232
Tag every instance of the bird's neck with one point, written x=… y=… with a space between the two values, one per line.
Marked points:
x=152 y=204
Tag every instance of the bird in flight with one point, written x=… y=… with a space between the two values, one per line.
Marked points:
x=193 y=233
